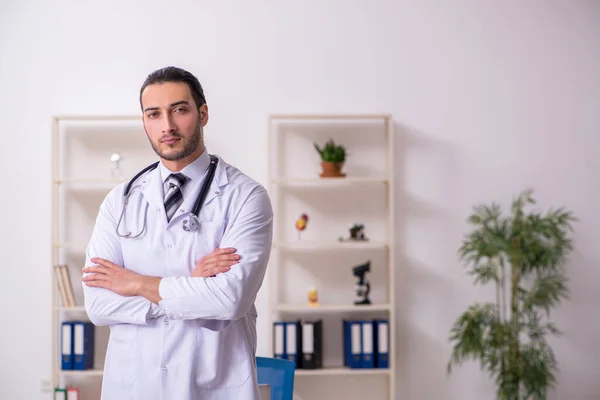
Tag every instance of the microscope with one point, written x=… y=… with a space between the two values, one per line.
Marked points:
x=362 y=287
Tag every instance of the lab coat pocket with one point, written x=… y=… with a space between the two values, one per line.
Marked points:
x=225 y=359
x=208 y=238
x=121 y=355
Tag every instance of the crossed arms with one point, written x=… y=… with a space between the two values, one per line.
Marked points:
x=215 y=290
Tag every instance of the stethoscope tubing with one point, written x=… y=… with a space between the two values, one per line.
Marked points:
x=193 y=224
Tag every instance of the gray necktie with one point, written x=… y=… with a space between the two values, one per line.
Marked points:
x=174 y=197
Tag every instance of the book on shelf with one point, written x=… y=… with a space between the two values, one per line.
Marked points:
x=65 y=287
x=66 y=393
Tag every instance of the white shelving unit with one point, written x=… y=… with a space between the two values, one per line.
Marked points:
x=317 y=257
x=82 y=175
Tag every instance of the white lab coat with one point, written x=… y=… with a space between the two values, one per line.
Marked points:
x=199 y=342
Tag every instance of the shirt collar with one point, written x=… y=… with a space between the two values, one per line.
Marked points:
x=194 y=170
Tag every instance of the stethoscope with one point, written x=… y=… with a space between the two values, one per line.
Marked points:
x=189 y=225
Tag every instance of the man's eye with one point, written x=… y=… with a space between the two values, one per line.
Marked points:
x=180 y=109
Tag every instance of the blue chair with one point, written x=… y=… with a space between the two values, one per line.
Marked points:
x=278 y=374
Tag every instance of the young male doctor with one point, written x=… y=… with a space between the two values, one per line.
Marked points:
x=179 y=301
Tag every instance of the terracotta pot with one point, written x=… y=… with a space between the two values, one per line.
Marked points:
x=332 y=170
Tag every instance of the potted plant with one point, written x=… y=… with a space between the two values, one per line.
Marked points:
x=333 y=157
x=522 y=256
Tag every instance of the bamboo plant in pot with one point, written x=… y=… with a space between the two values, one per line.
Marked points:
x=333 y=157
x=521 y=255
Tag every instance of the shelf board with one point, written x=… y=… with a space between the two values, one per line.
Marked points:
x=71 y=245
x=74 y=309
x=332 y=371
x=107 y=117
x=331 y=308
x=87 y=372
x=330 y=182
x=89 y=181
x=332 y=245
x=330 y=116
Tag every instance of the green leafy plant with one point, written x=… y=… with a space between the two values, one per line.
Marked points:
x=522 y=255
x=332 y=152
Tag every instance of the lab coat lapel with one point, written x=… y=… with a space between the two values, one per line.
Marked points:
x=153 y=193
x=219 y=181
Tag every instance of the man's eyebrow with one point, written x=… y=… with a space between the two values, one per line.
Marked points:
x=170 y=105
x=180 y=102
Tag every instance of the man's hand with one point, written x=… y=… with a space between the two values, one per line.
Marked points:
x=216 y=262
x=117 y=279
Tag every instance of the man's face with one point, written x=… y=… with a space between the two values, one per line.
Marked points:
x=172 y=121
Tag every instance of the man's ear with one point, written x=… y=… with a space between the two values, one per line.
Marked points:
x=203 y=114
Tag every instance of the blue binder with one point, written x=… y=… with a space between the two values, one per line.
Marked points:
x=292 y=341
x=352 y=343
x=66 y=346
x=279 y=340
x=367 y=343
x=83 y=345
x=382 y=340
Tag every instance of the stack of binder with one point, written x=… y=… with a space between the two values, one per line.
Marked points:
x=77 y=345
x=300 y=341
x=366 y=343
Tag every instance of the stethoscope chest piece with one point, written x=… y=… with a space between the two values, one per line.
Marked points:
x=192 y=224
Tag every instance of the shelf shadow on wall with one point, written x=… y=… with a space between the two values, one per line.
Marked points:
x=424 y=228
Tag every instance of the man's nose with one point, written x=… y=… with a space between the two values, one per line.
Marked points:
x=168 y=125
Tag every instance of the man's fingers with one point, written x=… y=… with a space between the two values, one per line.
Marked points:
x=220 y=260
x=228 y=257
x=100 y=284
x=217 y=270
x=224 y=250
x=218 y=263
x=103 y=262
x=216 y=259
x=95 y=270
x=95 y=277
x=210 y=272
x=226 y=263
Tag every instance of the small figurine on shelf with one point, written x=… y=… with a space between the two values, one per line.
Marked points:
x=363 y=288
x=116 y=159
x=301 y=224
x=357 y=233
x=313 y=297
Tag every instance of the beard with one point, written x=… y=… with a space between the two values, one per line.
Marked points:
x=190 y=145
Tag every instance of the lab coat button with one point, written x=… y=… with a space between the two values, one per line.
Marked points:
x=163 y=369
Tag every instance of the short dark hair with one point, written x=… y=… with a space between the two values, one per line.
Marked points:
x=176 y=74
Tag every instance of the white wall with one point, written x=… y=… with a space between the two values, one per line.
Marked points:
x=492 y=97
